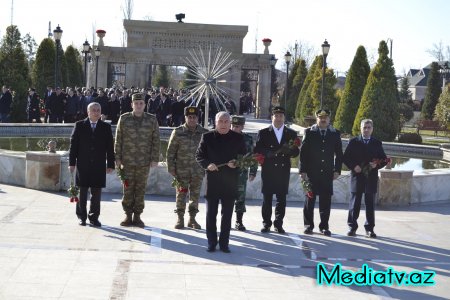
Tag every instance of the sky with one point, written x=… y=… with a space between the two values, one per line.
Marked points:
x=414 y=26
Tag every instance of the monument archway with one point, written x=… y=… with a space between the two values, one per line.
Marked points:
x=152 y=43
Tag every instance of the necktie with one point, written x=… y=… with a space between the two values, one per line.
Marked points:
x=366 y=141
x=322 y=133
x=93 y=126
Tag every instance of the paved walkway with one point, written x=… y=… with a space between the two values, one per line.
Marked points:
x=44 y=254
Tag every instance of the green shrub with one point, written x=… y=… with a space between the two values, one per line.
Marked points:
x=410 y=138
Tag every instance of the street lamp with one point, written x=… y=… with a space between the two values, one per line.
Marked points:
x=325 y=50
x=97 y=55
x=57 y=33
x=86 y=48
x=287 y=59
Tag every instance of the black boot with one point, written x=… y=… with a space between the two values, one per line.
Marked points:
x=239 y=225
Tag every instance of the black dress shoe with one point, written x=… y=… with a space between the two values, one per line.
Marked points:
x=81 y=222
x=308 y=231
x=351 y=232
x=265 y=229
x=280 y=230
x=326 y=232
x=225 y=250
x=211 y=248
x=371 y=234
x=95 y=223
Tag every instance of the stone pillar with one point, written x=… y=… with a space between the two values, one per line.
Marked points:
x=395 y=188
x=263 y=94
x=43 y=171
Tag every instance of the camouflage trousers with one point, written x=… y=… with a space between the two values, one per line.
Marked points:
x=242 y=189
x=193 y=188
x=133 y=195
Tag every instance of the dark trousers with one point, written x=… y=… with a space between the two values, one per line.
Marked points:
x=94 y=209
x=355 y=207
x=212 y=207
x=324 y=211
x=54 y=118
x=280 y=210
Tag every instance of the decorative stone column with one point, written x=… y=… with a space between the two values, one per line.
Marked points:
x=266 y=43
x=395 y=188
x=101 y=34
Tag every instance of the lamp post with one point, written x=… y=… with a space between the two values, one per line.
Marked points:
x=86 y=48
x=57 y=33
x=273 y=62
x=325 y=50
x=287 y=59
x=445 y=69
x=97 y=55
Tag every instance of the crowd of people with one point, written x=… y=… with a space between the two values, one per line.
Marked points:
x=194 y=152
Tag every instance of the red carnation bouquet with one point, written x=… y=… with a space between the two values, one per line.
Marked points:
x=294 y=143
x=123 y=177
x=73 y=191
x=380 y=162
x=246 y=161
x=307 y=188
x=181 y=186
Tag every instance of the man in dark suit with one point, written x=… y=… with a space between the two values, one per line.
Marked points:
x=216 y=154
x=320 y=163
x=92 y=152
x=359 y=157
x=33 y=111
x=276 y=143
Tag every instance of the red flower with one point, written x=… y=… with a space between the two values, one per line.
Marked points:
x=310 y=195
x=297 y=142
x=75 y=199
x=72 y=199
x=182 y=190
x=259 y=158
x=100 y=31
x=267 y=40
x=126 y=184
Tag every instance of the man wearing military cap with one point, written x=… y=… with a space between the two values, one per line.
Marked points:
x=274 y=142
x=182 y=165
x=320 y=163
x=237 y=125
x=137 y=149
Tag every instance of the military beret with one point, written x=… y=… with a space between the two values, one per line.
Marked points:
x=322 y=113
x=191 y=111
x=277 y=109
x=238 y=120
x=137 y=96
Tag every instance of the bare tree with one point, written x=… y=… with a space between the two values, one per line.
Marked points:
x=438 y=52
x=302 y=50
x=127 y=9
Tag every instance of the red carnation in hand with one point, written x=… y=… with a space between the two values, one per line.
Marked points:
x=310 y=195
x=126 y=184
x=259 y=158
x=297 y=142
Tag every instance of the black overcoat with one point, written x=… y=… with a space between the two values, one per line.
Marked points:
x=358 y=153
x=92 y=152
x=218 y=149
x=276 y=169
x=320 y=158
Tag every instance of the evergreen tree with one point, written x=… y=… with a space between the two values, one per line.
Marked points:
x=162 y=77
x=288 y=88
x=302 y=102
x=43 y=72
x=442 y=112
x=29 y=46
x=433 y=92
x=297 y=82
x=330 y=100
x=380 y=98
x=404 y=93
x=14 y=72
x=62 y=68
x=189 y=78
x=353 y=90
x=73 y=61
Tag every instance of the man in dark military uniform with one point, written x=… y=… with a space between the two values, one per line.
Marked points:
x=320 y=163
x=33 y=110
x=360 y=152
x=91 y=144
x=276 y=143
x=182 y=165
x=237 y=125
x=216 y=153
x=137 y=149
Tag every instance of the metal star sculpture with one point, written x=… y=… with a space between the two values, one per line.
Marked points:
x=209 y=70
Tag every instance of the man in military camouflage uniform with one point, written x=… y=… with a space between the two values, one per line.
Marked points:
x=237 y=125
x=136 y=149
x=182 y=165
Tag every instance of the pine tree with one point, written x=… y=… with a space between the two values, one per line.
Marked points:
x=43 y=73
x=297 y=83
x=433 y=92
x=62 y=68
x=73 y=61
x=302 y=103
x=353 y=90
x=162 y=77
x=404 y=93
x=288 y=88
x=380 y=98
x=442 y=112
x=14 y=72
x=330 y=100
